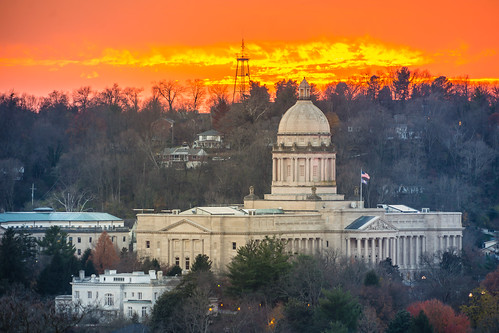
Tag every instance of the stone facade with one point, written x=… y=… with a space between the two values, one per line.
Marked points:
x=303 y=209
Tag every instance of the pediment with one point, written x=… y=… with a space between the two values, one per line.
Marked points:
x=186 y=226
x=379 y=225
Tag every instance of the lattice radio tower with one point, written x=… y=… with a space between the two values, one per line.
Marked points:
x=242 y=78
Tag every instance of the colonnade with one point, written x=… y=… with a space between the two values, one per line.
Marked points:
x=288 y=169
x=305 y=245
x=404 y=250
x=185 y=251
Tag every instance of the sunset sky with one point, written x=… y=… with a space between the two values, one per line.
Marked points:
x=65 y=44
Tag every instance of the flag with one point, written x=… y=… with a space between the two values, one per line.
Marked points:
x=364 y=181
x=364 y=175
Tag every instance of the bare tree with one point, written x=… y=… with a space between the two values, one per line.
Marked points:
x=81 y=98
x=131 y=98
x=197 y=91
x=72 y=198
x=169 y=90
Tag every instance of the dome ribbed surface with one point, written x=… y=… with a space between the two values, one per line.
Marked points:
x=304 y=118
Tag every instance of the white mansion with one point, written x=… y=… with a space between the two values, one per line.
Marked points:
x=118 y=294
x=303 y=208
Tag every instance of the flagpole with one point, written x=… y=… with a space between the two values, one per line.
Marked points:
x=360 y=203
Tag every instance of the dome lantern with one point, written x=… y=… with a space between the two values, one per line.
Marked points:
x=304 y=90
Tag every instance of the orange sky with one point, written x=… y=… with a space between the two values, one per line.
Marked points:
x=66 y=44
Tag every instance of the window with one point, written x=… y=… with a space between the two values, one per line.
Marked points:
x=70 y=240
x=144 y=311
x=289 y=170
x=155 y=295
x=327 y=243
x=124 y=238
x=90 y=239
x=133 y=294
x=77 y=294
x=148 y=244
x=124 y=294
x=302 y=170
x=79 y=239
x=139 y=295
x=234 y=245
x=79 y=252
x=315 y=170
x=89 y=294
x=177 y=261
x=187 y=263
x=109 y=299
x=130 y=311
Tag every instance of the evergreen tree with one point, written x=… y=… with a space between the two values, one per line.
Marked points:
x=17 y=257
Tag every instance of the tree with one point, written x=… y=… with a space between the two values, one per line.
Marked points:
x=338 y=306
x=104 y=256
x=17 y=257
x=258 y=268
x=55 y=242
x=197 y=91
x=373 y=88
x=441 y=316
x=202 y=263
x=401 y=83
x=170 y=91
x=402 y=323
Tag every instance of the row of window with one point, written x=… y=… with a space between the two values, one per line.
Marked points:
x=78 y=240
x=109 y=298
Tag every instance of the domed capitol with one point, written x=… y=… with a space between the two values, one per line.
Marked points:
x=303 y=208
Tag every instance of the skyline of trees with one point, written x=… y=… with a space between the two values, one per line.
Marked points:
x=426 y=141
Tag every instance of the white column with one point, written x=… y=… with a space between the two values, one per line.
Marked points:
x=373 y=250
x=358 y=248
x=366 y=246
x=417 y=251
x=348 y=247
x=182 y=258
x=380 y=249
x=459 y=243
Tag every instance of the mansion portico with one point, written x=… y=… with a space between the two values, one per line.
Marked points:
x=303 y=208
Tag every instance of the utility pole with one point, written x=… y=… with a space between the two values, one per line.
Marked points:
x=240 y=81
x=33 y=188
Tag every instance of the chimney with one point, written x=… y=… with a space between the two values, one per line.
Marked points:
x=152 y=274
x=160 y=275
x=82 y=275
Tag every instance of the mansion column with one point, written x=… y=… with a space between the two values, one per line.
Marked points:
x=348 y=247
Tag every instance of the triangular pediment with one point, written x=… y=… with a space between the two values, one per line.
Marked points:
x=186 y=226
x=379 y=225
x=370 y=223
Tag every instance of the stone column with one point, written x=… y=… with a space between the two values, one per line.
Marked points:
x=192 y=256
x=380 y=249
x=366 y=247
x=358 y=247
x=182 y=258
x=274 y=170
x=417 y=251
x=348 y=247
x=373 y=250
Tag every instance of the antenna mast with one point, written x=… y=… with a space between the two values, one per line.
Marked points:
x=242 y=77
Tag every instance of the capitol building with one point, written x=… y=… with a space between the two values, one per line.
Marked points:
x=303 y=209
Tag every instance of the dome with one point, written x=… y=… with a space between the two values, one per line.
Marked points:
x=304 y=118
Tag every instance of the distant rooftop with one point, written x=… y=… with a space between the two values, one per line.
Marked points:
x=398 y=209
x=56 y=216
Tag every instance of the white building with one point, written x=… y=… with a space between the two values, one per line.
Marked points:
x=83 y=228
x=122 y=295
